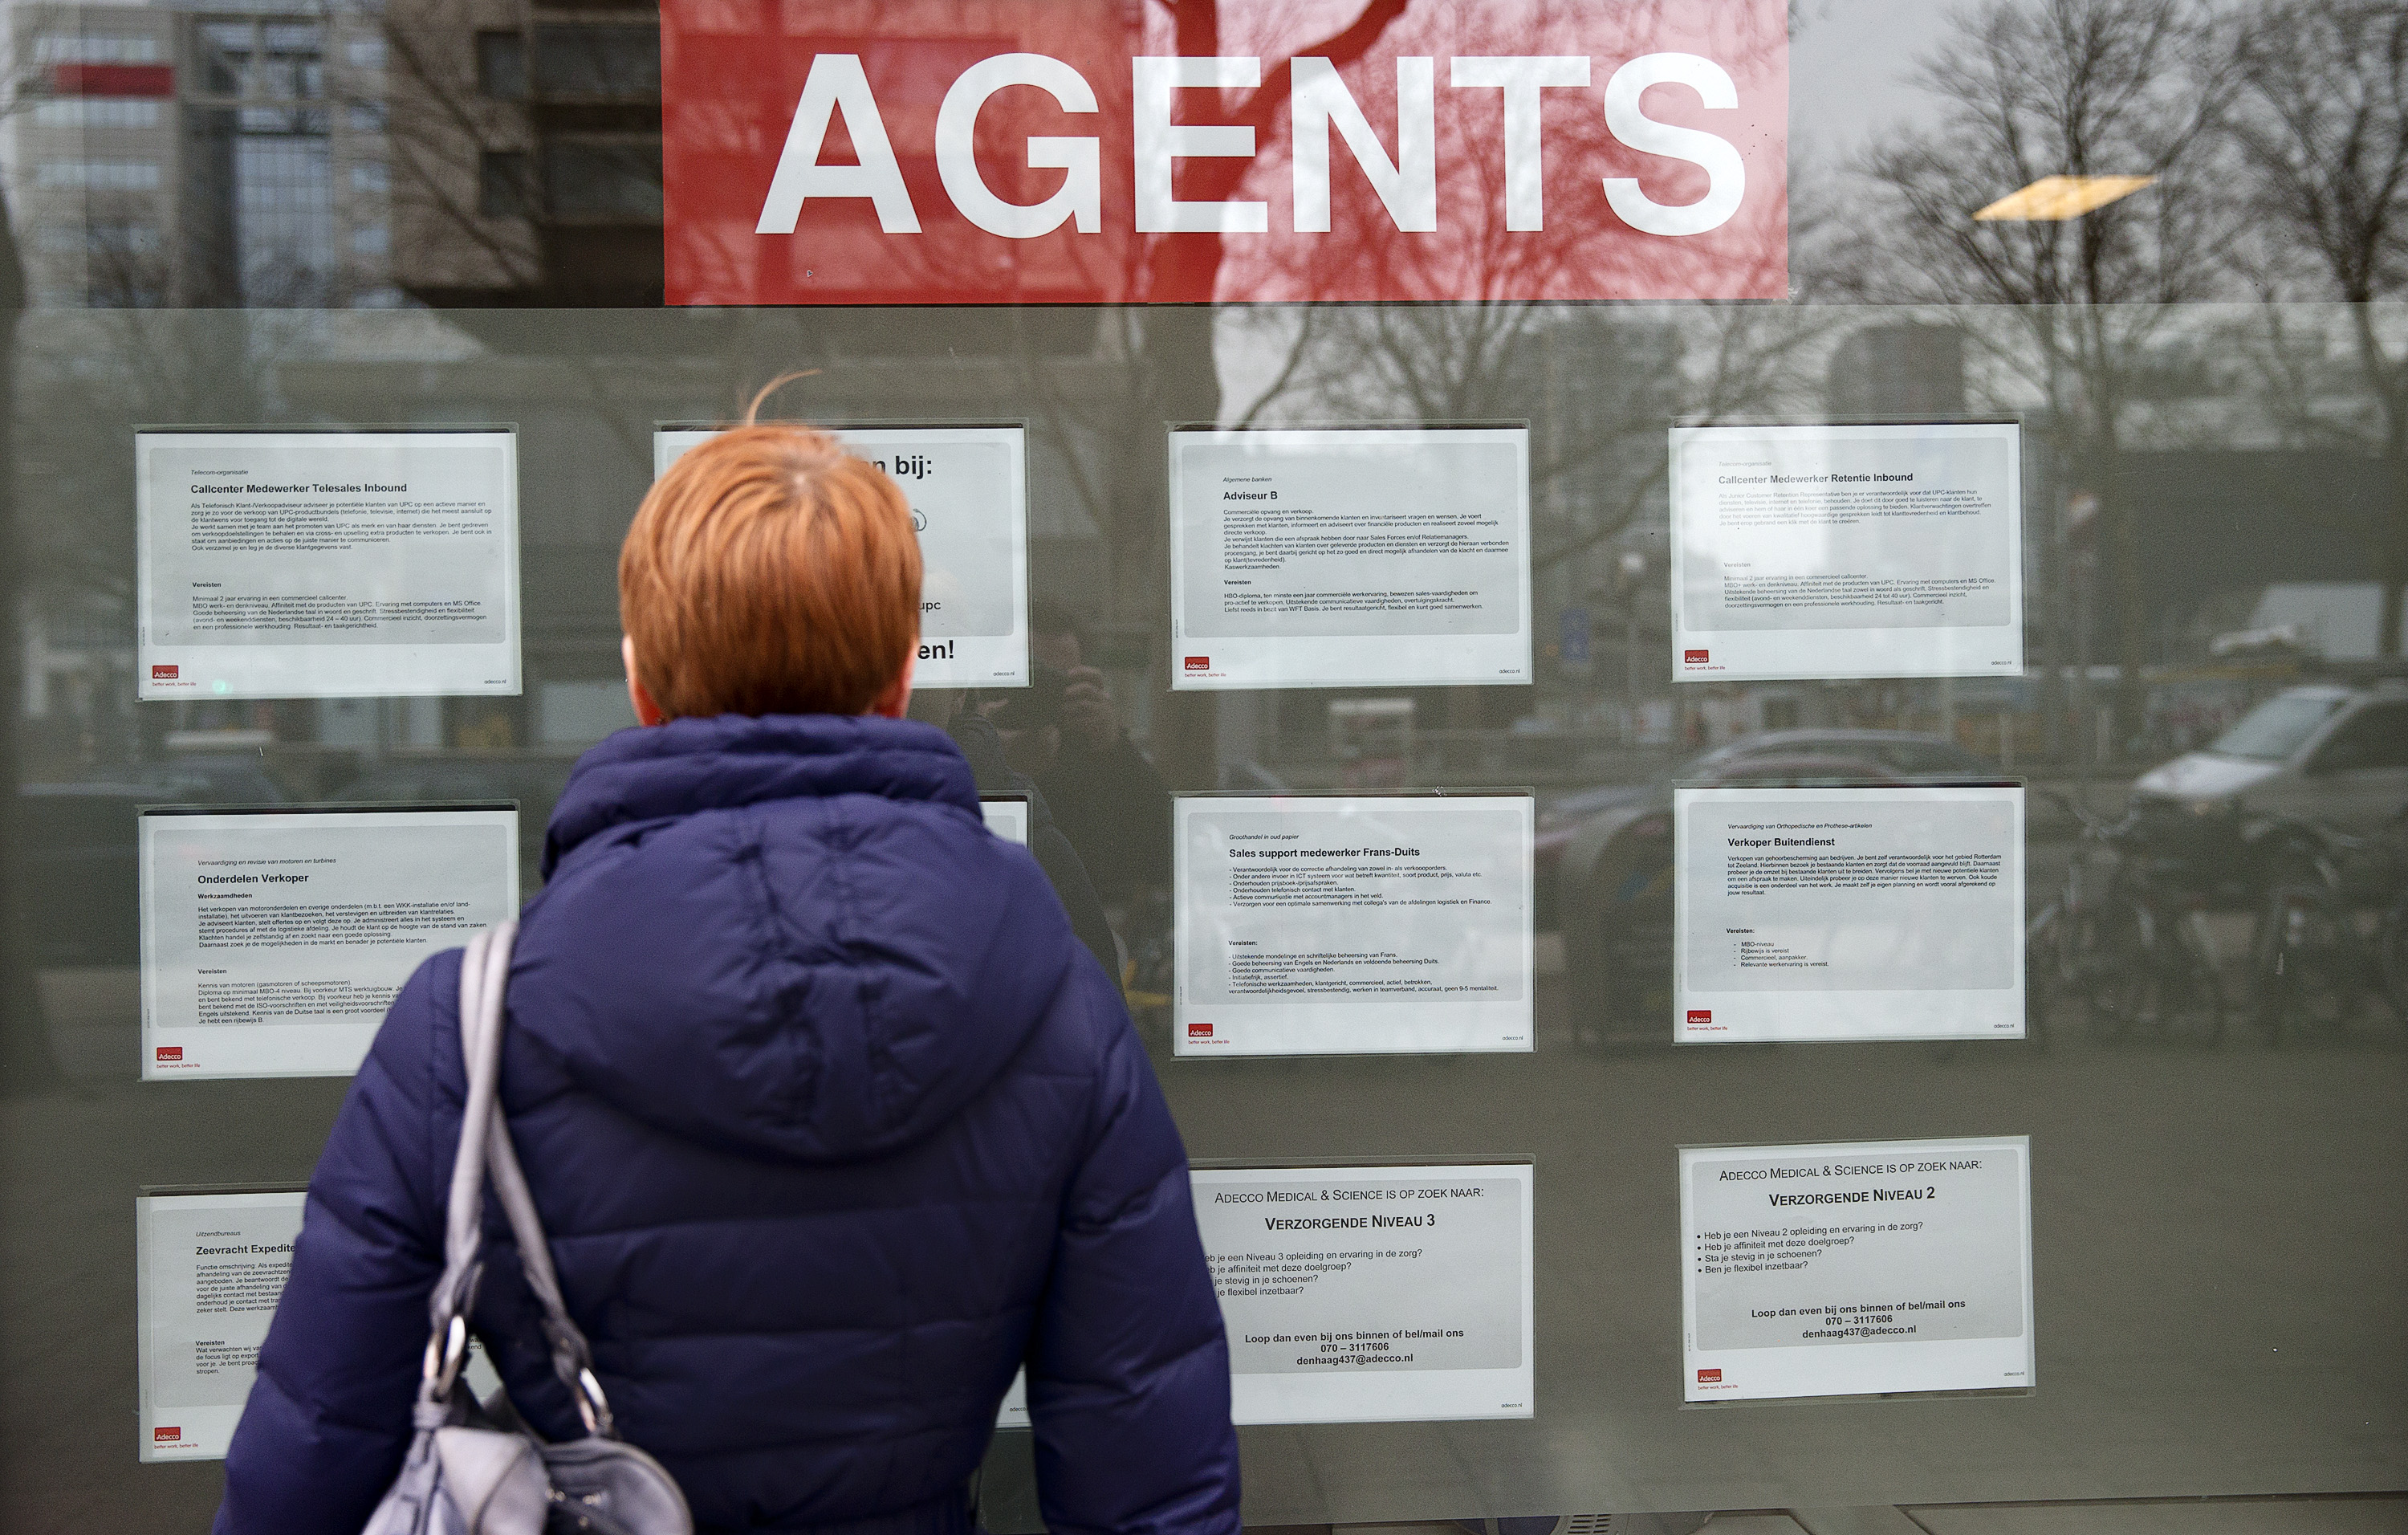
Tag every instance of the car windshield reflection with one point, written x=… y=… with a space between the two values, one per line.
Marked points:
x=2277 y=727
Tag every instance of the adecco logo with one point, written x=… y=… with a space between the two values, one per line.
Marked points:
x=167 y=1054
x=1694 y=658
x=163 y=672
x=1699 y=1017
x=1199 y=662
x=1585 y=150
x=1200 y=1031
x=167 y=1436
x=1709 y=1377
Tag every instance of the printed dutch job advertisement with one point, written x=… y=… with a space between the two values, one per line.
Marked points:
x=209 y=1271
x=968 y=490
x=1358 y=1295
x=1352 y=925
x=1833 y=551
x=1366 y=1295
x=1005 y=815
x=331 y=564
x=274 y=941
x=1343 y=558
x=1833 y=1271
x=1847 y=913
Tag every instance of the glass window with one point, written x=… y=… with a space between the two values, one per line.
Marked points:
x=611 y=63
x=111 y=175
x=2119 y=283
x=87 y=112
x=602 y=181
x=501 y=66
x=506 y=184
x=2375 y=737
x=58 y=48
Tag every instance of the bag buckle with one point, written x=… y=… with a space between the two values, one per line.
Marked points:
x=444 y=1352
x=591 y=1405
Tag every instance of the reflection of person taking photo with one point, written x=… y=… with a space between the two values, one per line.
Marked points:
x=989 y=751
x=1065 y=732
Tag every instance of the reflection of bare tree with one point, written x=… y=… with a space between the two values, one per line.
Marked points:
x=441 y=126
x=1618 y=374
x=2073 y=88
x=1454 y=361
x=2322 y=125
x=1189 y=264
x=1162 y=362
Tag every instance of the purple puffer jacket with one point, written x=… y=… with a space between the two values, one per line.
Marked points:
x=832 y=1124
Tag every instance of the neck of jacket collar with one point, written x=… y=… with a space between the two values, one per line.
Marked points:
x=733 y=760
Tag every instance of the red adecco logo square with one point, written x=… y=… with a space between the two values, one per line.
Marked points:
x=1694 y=658
x=1700 y=1015
x=1200 y=1031
x=165 y=1436
x=165 y=672
x=1709 y=1377
x=168 y=1053
x=1199 y=662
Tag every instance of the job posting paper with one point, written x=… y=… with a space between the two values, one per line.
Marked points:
x=1834 y=1271
x=1352 y=925
x=1349 y=558
x=1890 y=913
x=209 y=1269
x=968 y=490
x=1366 y=1295
x=1847 y=550
x=1005 y=815
x=335 y=564
x=274 y=941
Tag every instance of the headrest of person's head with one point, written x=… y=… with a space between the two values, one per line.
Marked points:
x=769 y=571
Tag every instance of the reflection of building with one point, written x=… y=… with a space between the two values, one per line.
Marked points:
x=190 y=159
x=528 y=152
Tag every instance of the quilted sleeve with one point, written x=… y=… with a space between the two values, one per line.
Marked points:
x=1128 y=1372
x=329 y=1417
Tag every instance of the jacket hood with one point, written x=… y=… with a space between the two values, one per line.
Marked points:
x=735 y=759
x=791 y=936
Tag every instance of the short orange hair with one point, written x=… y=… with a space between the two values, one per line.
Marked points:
x=770 y=573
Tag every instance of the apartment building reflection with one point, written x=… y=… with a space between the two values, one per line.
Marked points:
x=190 y=158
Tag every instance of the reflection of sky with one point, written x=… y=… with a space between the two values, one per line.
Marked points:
x=1851 y=67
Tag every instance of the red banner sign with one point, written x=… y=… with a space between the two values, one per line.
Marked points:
x=1098 y=151
x=112 y=80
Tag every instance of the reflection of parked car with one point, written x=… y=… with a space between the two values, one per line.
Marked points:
x=2329 y=752
x=1913 y=757
x=1615 y=892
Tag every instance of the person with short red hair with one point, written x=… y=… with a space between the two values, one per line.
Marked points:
x=831 y=1121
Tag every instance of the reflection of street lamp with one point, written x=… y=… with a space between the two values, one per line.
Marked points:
x=1630 y=573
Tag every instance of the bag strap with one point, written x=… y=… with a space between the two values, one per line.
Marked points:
x=485 y=977
x=464 y=1205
